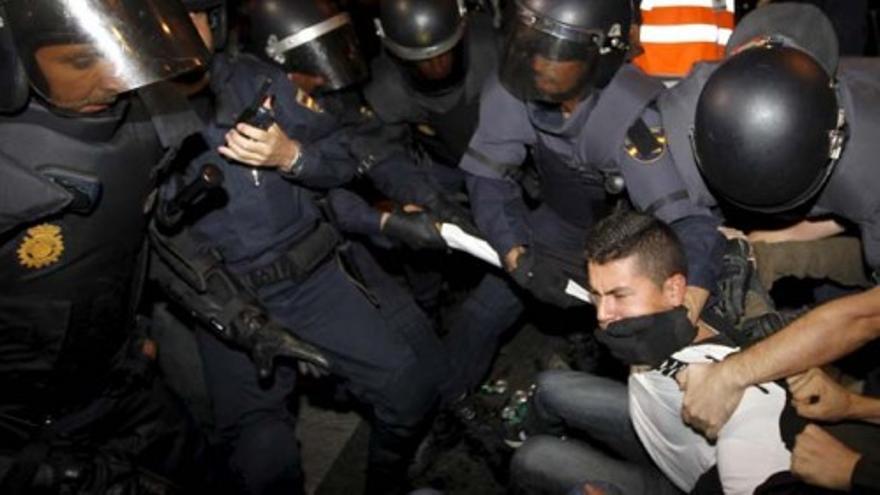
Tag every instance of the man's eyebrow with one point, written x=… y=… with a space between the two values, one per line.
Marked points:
x=620 y=290
x=73 y=55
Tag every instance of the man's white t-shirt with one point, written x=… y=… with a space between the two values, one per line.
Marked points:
x=749 y=448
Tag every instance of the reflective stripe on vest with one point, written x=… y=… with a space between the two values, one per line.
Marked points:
x=677 y=33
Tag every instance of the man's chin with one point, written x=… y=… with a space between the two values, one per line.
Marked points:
x=86 y=106
x=93 y=108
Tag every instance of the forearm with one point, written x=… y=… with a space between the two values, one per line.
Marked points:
x=352 y=214
x=802 y=231
x=401 y=180
x=498 y=212
x=321 y=168
x=824 y=334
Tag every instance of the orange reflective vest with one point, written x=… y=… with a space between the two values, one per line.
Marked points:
x=677 y=33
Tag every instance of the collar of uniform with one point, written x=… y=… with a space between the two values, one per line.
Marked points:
x=549 y=118
x=97 y=128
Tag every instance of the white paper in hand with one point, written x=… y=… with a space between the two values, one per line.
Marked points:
x=574 y=289
x=456 y=238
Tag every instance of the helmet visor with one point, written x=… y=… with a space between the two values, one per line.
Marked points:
x=548 y=62
x=328 y=50
x=89 y=51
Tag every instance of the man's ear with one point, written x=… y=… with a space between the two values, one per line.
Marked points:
x=674 y=289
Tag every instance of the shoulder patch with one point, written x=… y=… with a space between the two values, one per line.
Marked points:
x=41 y=246
x=645 y=144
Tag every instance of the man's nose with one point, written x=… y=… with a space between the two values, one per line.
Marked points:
x=604 y=310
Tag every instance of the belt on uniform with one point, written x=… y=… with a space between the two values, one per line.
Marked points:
x=299 y=261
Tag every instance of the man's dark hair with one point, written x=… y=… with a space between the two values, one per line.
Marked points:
x=624 y=233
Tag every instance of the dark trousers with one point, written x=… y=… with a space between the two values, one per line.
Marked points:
x=386 y=358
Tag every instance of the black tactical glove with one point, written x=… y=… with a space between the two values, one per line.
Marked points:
x=545 y=277
x=449 y=211
x=265 y=340
x=733 y=283
x=416 y=230
x=203 y=287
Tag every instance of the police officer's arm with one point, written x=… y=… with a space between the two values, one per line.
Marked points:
x=398 y=178
x=497 y=148
x=828 y=332
x=806 y=230
x=382 y=152
x=416 y=229
x=323 y=163
x=301 y=145
x=655 y=187
x=352 y=214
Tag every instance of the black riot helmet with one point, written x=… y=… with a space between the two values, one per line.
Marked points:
x=557 y=50
x=310 y=37
x=83 y=53
x=217 y=18
x=768 y=129
x=420 y=29
x=424 y=37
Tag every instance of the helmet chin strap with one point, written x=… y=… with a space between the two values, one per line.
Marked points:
x=15 y=87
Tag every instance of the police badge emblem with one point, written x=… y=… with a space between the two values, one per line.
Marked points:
x=645 y=145
x=42 y=245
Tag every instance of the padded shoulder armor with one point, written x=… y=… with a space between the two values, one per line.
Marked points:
x=849 y=191
x=678 y=106
x=620 y=104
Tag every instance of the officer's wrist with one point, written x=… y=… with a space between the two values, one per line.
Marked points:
x=511 y=259
x=295 y=163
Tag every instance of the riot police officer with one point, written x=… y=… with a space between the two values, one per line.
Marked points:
x=437 y=57
x=795 y=141
x=565 y=95
x=279 y=29
x=427 y=80
x=81 y=410
x=808 y=38
x=270 y=234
